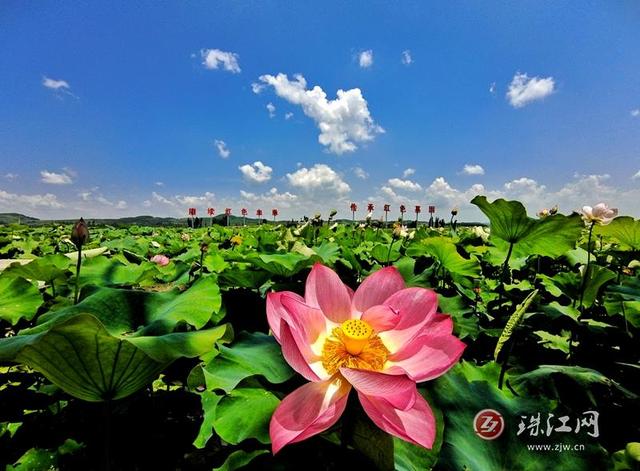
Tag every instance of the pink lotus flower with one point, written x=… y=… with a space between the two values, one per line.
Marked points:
x=161 y=260
x=380 y=340
x=599 y=214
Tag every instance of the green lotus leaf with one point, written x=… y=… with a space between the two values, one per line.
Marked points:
x=18 y=299
x=251 y=354
x=83 y=358
x=126 y=311
x=446 y=253
x=245 y=413
x=624 y=229
x=551 y=236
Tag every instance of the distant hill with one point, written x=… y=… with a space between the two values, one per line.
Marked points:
x=16 y=218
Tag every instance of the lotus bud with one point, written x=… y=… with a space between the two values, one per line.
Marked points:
x=333 y=213
x=80 y=233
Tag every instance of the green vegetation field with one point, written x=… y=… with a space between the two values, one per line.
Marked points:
x=173 y=366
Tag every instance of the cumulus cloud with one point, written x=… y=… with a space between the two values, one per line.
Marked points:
x=159 y=183
x=360 y=173
x=524 y=89
x=492 y=88
x=342 y=122
x=636 y=176
x=288 y=116
x=320 y=177
x=635 y=113
x=10 y=176
x=408 y=172
x=406 y=57
x=223 y=150
x=13 y=202
x=271 y=109
x=55 y=178
x=90 y=197
x=473 y=169
x=256 y=173
x=366 y=59
x=271 y=197
x=407 y=185
x=214 y=58
x=257 y=87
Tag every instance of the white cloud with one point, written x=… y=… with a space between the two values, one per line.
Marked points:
x=473 y=169
x=343 y=122
x=492 y=88
x=635 y=113
x=10 y=176
x=257 y=87
x=271 y=197
x=366 y=59
x=207 y=198
x=223 y=150
x=406 y=57
x=55 y=178
x=121 y=205
x=212 y=58
x=89 y=197
x=55 y=84
x=288 y=116
x=524 y=89
x=271 y=109
x=320 y=177
x=407 y=185
x=360 y=173
x=408 y=172
x=161 y=199
x=159 y=183
x=13 y=202
x=636 y=176
x=257 y=173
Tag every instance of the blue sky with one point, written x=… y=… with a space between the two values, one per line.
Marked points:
x=118 y=109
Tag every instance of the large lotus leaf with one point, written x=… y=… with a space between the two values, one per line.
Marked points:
x=624 y=229
x=245 y=413
x=81 y=357
x=282 y=264
x=552 y=236
x=468 y=389
x=129 y=310
x=18 y=299
x=445 y=251
x=252 y=354
x=545 y=379
x=103 y=271
x=47 y=268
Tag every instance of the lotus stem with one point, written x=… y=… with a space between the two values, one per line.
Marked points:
x=583 y=285
x=78 y=264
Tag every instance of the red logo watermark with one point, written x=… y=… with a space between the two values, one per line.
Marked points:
x=488 y=424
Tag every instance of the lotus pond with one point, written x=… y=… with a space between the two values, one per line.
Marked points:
x=169 y=360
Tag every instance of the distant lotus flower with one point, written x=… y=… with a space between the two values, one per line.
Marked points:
x=380 y=340
x=599 y=214
x=332 y=213
x=482 y=232
x=236 y=240
x=400 y=231
x=553 y=210
x=454 y=212
x=185 y=237
x=543 y=213
x=161 y=260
